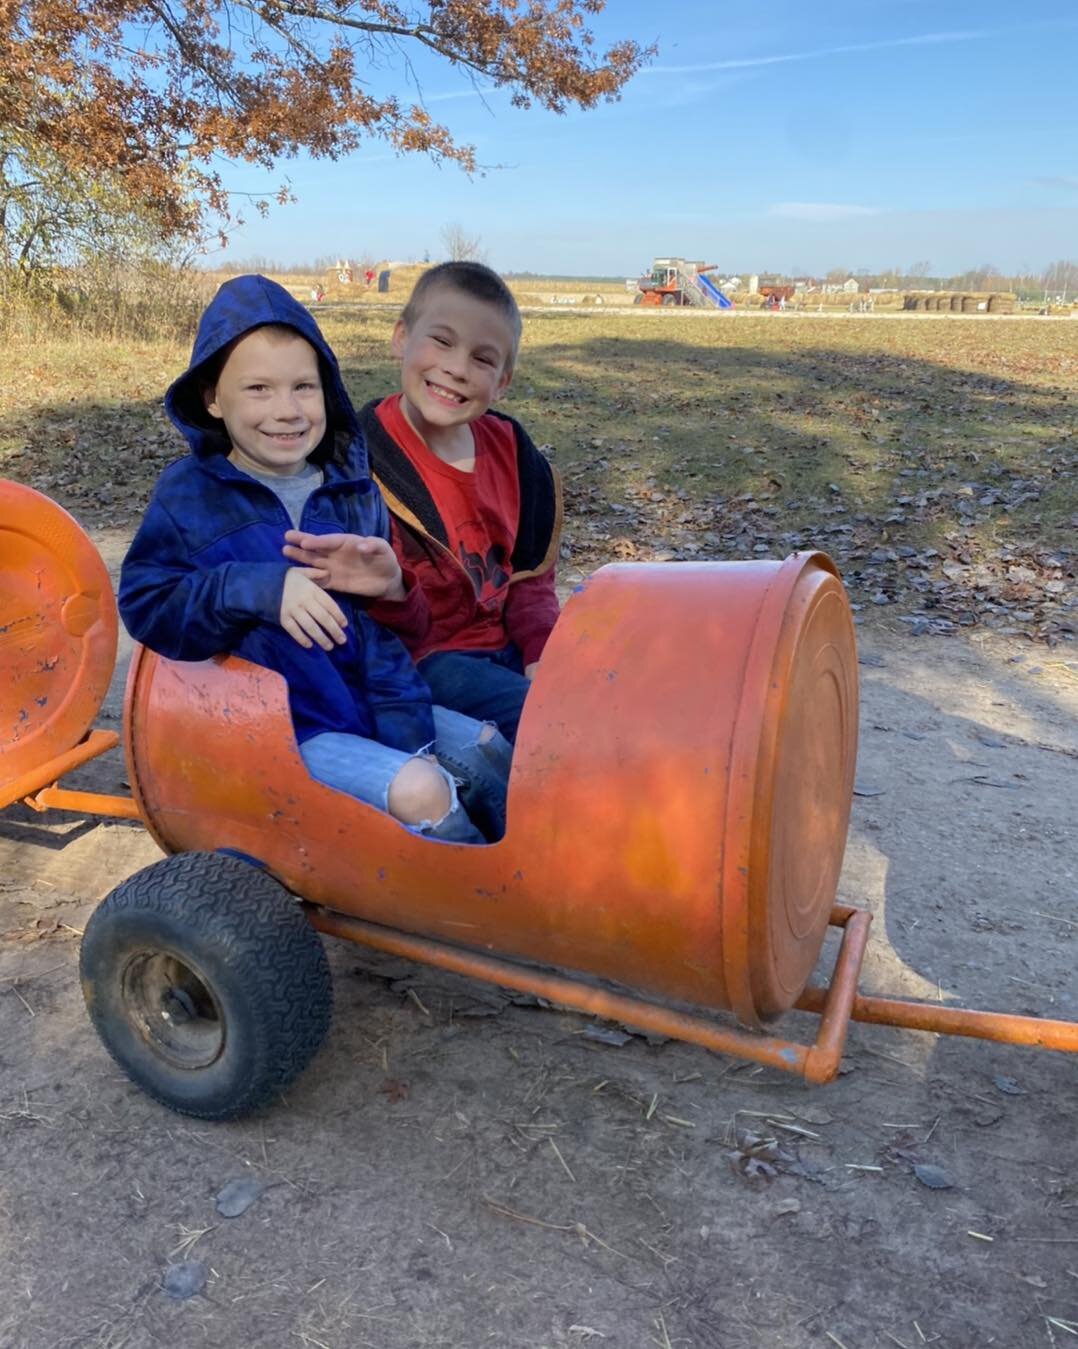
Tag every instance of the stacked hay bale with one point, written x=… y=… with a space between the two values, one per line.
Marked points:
x=354 y=289
x=1002 y=303
x=402 y=277
x=943 y=304
x=969 y=304
x=956 y=303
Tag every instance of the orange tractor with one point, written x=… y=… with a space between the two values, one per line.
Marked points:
x=674 y=832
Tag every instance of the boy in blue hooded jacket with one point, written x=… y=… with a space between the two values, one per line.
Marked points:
x=276 y=447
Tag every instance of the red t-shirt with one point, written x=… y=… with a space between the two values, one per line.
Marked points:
x=479 y=510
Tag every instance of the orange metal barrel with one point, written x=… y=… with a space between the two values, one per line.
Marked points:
x=677 y=807
x=57 y=641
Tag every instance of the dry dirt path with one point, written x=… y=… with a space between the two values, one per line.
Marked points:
x=456 y=1170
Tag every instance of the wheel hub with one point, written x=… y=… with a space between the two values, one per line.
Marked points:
x=171 y=1005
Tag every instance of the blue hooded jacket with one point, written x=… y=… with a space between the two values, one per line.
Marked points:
x=205 y=572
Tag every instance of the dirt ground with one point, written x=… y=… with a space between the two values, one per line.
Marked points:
x=458 y=1170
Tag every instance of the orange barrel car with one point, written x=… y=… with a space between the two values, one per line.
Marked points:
x=677 y=816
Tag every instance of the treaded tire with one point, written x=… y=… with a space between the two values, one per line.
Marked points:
x=206 y=984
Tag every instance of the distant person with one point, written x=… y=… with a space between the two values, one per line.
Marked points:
x=275 y=449
x=368 y=277
x=476 y=509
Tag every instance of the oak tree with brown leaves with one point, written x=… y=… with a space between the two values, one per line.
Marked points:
x=155 y=95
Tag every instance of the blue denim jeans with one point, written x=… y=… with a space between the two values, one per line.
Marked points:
x=477 y=775
x=486 y=685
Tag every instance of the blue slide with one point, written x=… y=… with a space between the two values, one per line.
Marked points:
x=713 y=293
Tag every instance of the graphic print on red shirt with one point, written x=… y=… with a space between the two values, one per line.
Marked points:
x=480 y=511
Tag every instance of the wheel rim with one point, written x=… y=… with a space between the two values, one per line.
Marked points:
x=172 y=1007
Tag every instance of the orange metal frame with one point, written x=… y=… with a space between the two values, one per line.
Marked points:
x=836 y=1005
x=41 y=790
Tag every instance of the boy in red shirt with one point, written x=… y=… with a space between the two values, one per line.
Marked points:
x=475 y=508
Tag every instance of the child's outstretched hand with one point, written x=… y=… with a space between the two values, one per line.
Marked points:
x=353 y=563
x=308 y=614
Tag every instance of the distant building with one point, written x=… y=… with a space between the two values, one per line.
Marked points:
x=850 y=286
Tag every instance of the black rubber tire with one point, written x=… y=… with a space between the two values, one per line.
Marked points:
x=245 y=979
x=668 y=300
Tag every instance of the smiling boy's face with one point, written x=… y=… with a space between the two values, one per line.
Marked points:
x=269 y=396
x=456 y=359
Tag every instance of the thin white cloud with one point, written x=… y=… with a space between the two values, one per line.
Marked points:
x=1068 y=183
x=480 y=92
x=920 y=40
x=819 y=210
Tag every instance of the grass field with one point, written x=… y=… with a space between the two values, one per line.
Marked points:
x=933 y=460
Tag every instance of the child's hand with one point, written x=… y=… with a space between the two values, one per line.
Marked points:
x=307 y=612
x=353 y=563
x=529 y=670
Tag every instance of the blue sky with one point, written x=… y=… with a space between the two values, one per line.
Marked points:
x=766 y=135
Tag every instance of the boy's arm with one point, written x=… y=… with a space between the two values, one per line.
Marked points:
x=185 y=612
x=410 y=617
x=531 y=610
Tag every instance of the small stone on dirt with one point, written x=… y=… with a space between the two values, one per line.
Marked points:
x=1008 y=1086
x=862 y=789
x=812 y=1114
x=184 y=1280
x=785 y=1206
x=238 y=1196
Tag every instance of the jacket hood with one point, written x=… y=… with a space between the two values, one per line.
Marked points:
x=240 y=305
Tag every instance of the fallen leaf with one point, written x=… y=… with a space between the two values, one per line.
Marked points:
x=935 y=1177
x=607 y=1035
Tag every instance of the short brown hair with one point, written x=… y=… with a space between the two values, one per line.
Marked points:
x=474 y=279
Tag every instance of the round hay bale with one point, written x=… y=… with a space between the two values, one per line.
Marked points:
x=944 y=304
x=1002 y=303
x=969 y=304
x=956 y=304
x=920 y=303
